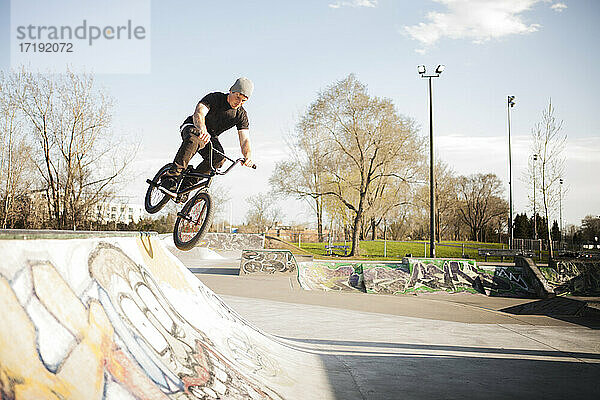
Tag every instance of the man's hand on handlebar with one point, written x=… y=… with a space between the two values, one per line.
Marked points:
x=202 y=135
x=247 y=162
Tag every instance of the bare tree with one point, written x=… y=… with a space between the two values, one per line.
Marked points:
x=480 y=201
x=301 y=175
x=263 y=213
x=548 y=142
x=445 y=200
x=75 y=153
x=15 y=164
x=220 y=197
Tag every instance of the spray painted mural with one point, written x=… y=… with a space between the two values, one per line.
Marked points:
x=122 y=319
x=449 y=275
x=506 y=282
x=232 y=241
x=323 y=275
x=267 y=261
x=577 y=277
x=416 y=275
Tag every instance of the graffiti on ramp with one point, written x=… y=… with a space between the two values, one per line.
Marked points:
x=232 y=241
x=267 y=262
x=123 y=319
x=323 y=275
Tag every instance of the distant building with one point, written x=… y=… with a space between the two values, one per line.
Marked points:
x=119 y=211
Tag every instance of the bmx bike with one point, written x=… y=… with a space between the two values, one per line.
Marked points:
x=195 y=218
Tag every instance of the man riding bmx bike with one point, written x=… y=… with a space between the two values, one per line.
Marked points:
x=216 y=113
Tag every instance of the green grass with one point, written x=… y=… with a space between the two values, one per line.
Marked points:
x=374 y=250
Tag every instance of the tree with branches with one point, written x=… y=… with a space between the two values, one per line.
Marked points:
x=480 y=202
x=263 y=213
x=365 y=149
x=76 y=157
x=548 y=142
x=301 y=175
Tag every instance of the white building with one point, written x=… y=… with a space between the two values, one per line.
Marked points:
x=119 y=211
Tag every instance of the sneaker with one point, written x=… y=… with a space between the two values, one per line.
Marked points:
x=169 y=183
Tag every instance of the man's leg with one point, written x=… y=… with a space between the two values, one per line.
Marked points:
x=189 y=147
x=204 y=166
x=217 y=159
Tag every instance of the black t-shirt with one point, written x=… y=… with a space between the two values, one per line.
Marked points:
x=221 y=116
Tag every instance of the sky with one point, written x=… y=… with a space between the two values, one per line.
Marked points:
x=537 y=50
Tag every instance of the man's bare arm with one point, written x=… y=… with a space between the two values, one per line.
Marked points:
x=244 y=136
x=198 y=117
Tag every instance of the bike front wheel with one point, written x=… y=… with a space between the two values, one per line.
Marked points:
x=155 y=199
x=193 y=221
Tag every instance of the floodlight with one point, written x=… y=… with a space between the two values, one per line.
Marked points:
x=511 y=101
x=440 y=68
x=421 y=69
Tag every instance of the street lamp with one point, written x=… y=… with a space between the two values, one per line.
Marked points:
x=421 y=69
x=510 y=104
x=535 y=157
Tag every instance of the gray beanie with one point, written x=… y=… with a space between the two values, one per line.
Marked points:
x=244 y=86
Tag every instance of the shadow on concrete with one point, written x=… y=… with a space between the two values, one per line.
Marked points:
x=413 y=371
x=561 y=308
x=438 y=348
x=216 y=271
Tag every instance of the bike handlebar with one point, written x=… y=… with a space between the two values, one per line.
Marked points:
x=234 y=162
x=238 y=161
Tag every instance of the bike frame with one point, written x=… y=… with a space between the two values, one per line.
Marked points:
x=207 y=177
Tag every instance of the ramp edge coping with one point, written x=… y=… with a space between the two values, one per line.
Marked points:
x=32 y=234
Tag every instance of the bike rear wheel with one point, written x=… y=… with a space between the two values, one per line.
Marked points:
x=155 y=199
x=193 y=221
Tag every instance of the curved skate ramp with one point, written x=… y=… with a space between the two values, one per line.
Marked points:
x=232 y=241
x=417 y=275
x=268 y=262
x=122 y=318
x=201 y=253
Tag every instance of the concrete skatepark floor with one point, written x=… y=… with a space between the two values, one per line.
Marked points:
x=433 y=345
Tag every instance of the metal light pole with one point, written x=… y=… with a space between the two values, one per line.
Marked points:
x=438 y=71
x=535 y=157
x=560 y=208
x=510 y=104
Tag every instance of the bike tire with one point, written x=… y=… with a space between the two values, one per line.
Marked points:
x=193 y=221
x=155 y=200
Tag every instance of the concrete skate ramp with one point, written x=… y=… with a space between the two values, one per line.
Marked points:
x=200 y=253
x=122 y=318
x=268 y=262
x=325 y=275
x=232 y=241
x=414 y=275
x=579 y=277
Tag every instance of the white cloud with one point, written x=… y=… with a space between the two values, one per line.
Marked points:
x=480 y=21
x=558 y=7
x=354 y=3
